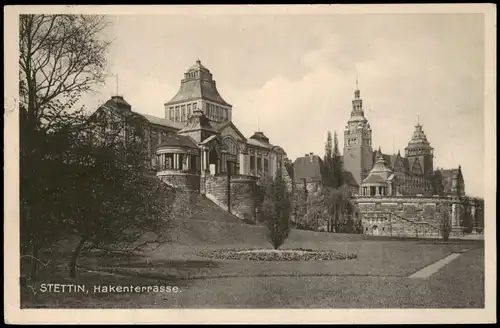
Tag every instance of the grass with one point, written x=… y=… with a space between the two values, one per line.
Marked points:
x=377 y=278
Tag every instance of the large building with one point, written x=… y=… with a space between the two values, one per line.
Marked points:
x=369 y=172
x=376 y=173
x=196 y=145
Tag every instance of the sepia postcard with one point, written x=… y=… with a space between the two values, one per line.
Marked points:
x=250 y=164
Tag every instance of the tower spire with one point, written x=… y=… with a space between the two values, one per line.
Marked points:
x=418 y=118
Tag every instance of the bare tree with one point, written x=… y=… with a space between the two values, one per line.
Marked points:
x=61 y=58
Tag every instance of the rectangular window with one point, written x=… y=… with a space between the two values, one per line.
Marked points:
x=259 y=164
x=183 y=108
x=176 y=113
x=266 y=165
x=188 y=110
x=252 y=162
x=171 y=116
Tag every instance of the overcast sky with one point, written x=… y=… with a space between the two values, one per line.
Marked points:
x=294 y=76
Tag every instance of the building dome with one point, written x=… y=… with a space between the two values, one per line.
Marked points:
x=197 y=67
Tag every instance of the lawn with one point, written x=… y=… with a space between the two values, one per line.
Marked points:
x=376 y=279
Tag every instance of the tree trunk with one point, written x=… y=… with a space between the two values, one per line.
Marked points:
x=74 y=258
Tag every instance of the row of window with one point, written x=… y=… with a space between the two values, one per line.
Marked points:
x=216 y=113
x=259 y=164
x=181 y=113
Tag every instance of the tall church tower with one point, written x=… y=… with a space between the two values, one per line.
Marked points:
x=420 y=154
x=358 y=153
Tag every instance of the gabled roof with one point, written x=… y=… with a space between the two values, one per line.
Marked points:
x=220 y=126
x=308 y=167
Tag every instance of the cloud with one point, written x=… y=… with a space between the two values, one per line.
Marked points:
x=293 y=76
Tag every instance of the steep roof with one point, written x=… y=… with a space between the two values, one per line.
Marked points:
x=308 y=167
x=259 y=139
x=374 y=179
x=349 y=179
x=162 y=121
x=198 y=122
x=221 y=125
x=118 y=102
x=198 y=84
x=418 y=139
x=178 y=141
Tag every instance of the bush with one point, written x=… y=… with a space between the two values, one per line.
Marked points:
x=443 y=212
x=276 y=210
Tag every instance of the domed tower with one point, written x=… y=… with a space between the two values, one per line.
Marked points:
x=420 y=154
x=358 y=154
x=198 y=90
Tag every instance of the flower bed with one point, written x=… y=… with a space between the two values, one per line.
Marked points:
x=298 y=254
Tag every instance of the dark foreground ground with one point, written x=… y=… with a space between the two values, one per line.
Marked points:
x=378 y=278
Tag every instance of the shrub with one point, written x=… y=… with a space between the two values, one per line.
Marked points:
x=275 y=211
x=443 y=212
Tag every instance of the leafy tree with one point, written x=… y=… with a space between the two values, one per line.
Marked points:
x=112 y=205
x=337 y=163
x=465 y=215
x=314 y=214
x=276 y=210
x=332 y=163
x=443 y=212
x=61 y=58
x=340 y=207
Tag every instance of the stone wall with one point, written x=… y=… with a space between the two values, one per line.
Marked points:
x=216 y=189
x=178 y=179
x=406 y=216
x=243 y=197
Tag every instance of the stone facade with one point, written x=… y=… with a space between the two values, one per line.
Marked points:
x=408 y=216
x=239 y=193
x=197 y=147
x=183 y=180
x=243 y=197
x=376 y=173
